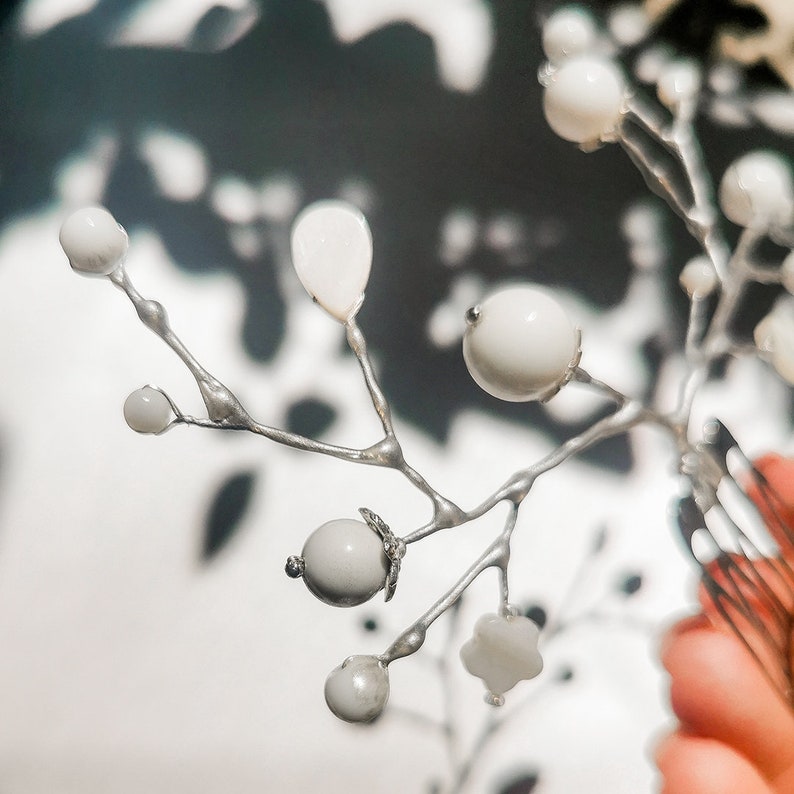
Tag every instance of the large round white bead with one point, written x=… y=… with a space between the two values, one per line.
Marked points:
x=345 y=563
x=698 y=277
x=332 y=255
x=569 y=31
x=758 y=189
x=358 y=690
x=583 y=101
x=94 y=241
x=787 y=273
x=147 y=410
x=521 y=344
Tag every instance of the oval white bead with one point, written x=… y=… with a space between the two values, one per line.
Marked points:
x=569 y=31
x=698 y=277
x=358 y=690
x=583 y=101
x=679 y=82
x=147 y=410
x=345 y=563
x=94 y=241
x=758 y=189
x=521 y=344
x=332 y=255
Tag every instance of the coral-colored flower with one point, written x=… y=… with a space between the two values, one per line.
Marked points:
x=736 y=733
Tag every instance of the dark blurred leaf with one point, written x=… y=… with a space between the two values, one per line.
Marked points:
x=630 y=584
x=537 y=614
x=521 y=785
x=310 y=417
x=226 y=513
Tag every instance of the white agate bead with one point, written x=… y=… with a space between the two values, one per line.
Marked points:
x=583 y=101
x=344 y=563
x=698 y=277
x=519 y=344
x=358 y=690
x=503 y=651
x=678 y=82
x=569 y=31
x=758 y=189
x=147 y=410
x=94 y=241
x=332 y=256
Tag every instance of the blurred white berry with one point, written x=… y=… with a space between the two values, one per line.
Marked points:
x=343 y=563
x=147 y=410
x=758 y=189
x=787 y=273
x=519 y=344
x=571 y=30
x=774 y=338
x=583 y=101
x=94 y=241
x=679 y=82
x=503 y=651
x=332 y=255
x=358 y=690
x=629 y=24
x=698 y=277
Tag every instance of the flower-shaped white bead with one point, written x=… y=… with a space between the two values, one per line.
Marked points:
x=519 y=344
x=94 y=241
x=583 y=101
x=332 y=255
x=344 y=563
x=758 y=190
x=569 y=31
x=147 y=410
x=774 y=337
x=358 y=690
x=503 y=651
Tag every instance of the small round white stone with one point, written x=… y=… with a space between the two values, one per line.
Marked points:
x=358 y=690
x=583 y=101
x=569 y=31
x=94 y=241
x=679 y=82
x=345 y=563
x=332 y=255
x=147 y=410
x=758 y=189
x=698 y=277
x=521 y=344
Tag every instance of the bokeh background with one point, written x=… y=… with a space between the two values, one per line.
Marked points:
x=149 y=640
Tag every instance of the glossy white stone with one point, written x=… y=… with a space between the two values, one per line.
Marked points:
x=503 y=651
x=698 y=277
x=569 y=31
x=94 y=241
x=332 y=255
x=774 y=338
x=758 y=189
x=787 y=273
x=583 y=101
x=520 y=345
x=358 y=690
x=147 y=410
x=679 y=82
x=345 y=564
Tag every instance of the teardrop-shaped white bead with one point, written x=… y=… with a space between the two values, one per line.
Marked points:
x=332 y=255
x=94 y=241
